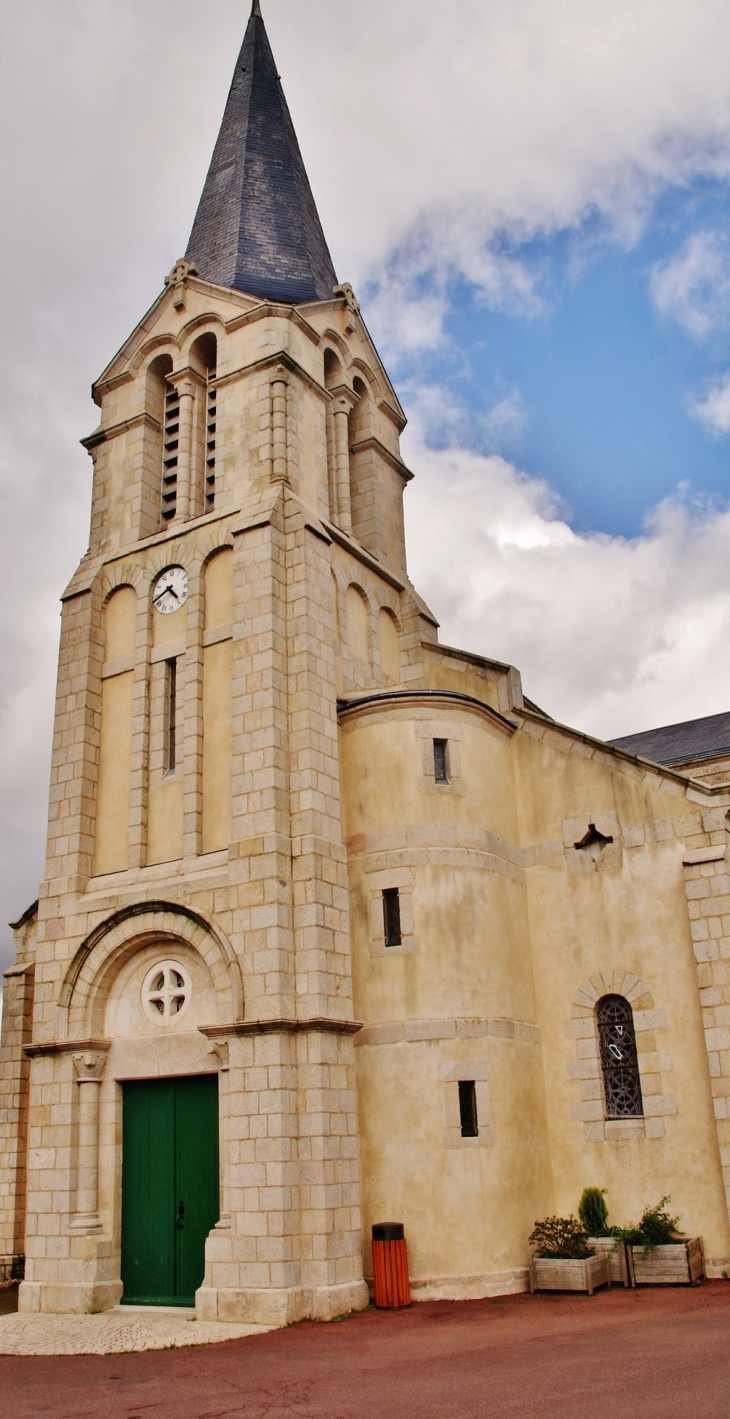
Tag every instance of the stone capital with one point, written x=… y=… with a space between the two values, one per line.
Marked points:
x=89 y=1066
x=343 y=398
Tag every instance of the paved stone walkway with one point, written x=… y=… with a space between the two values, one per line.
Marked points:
x=115 y=1332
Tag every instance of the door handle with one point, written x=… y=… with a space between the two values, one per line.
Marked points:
x=179 y=1220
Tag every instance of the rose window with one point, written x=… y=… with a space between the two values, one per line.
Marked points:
x=166 y=992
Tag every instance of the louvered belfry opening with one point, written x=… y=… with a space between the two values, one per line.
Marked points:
x=210 y=437
x=170 y=445
x=619 y=1061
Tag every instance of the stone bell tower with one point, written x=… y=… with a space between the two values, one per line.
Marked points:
x=246 y=567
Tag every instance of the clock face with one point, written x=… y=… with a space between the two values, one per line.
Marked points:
x=171 y=590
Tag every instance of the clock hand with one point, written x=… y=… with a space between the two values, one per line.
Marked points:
x=164 y=592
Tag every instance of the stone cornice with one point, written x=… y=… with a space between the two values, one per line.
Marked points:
x=35 y=1051
x=278 y=357
x=282 y=1026
x=280 y=312
x=103 y=435
x=385 y=454
x=425 y=699
x=350 y=545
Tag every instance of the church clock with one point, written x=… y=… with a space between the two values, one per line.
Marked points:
x=171 y=590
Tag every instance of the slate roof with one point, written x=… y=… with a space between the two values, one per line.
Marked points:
x=692 y=739
x=257 y=228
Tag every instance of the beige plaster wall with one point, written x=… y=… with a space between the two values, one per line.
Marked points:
x=455 y=1000
x=619 y=924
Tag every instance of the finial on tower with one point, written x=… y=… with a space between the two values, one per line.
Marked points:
x=255 y=8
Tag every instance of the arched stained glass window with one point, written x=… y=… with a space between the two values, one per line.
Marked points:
x=620 y=1066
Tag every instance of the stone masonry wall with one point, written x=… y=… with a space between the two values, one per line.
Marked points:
x=707 y=885
x=14 y=1071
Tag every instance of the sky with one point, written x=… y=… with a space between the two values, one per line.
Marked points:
x=531 y=199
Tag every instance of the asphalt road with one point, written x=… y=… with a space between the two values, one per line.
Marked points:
x=657 y=1354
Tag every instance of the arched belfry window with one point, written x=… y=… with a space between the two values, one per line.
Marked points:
x=619 y=1063
x=204 y=357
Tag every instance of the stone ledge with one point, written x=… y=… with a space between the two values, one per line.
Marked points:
x=704 y=854
x=464 y=1028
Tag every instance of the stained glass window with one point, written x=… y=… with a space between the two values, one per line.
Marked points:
x=620 y=1066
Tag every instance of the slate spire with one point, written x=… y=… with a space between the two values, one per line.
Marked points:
x=257 y=228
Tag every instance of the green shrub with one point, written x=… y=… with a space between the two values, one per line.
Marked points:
x=593 y=1212
x=560 y=1237
x=655 y=1229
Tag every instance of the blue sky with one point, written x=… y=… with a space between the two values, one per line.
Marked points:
x=593 y=387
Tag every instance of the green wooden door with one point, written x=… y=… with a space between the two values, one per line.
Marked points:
x=169 y=1187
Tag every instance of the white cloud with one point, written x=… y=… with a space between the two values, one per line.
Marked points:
x=714 y=410
x=612 y=635
x=694 y=286
x=506 y=420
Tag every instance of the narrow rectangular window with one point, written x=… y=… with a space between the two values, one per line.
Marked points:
x=391 y=916
x=171 y=715
x=439 y=761
x=468 y=1108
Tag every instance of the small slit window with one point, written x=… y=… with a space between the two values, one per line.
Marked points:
x=468 y=1108
x=619 y=1062
x=391 y=916
x=170 y=716
x=440 y=763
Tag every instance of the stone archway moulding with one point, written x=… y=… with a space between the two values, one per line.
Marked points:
x=113 y=940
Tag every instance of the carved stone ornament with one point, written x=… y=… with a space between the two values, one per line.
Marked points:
x=176 y=280
x=180 y=271
x=349 y=295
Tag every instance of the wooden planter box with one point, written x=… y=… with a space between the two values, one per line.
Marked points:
x=553 y=1274
x=679 y=1263
x=614 y=1248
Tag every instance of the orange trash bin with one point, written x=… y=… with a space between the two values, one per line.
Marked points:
x=390 y=1266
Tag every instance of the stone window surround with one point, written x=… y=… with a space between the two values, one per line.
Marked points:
x=378 y=882
x=426 y=730
x=585 y=1068
x=449 y=1074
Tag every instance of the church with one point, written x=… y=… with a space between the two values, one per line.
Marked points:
x=337 y=926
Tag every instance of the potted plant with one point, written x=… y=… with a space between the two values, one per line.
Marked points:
x=562 y=1259
x=658 y=1254
x=602 y=1239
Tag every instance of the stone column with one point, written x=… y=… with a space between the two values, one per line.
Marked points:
x=89 y=1068
x=186 y=391
x=220 y=1050
x=342 y=402
x=279 y=456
